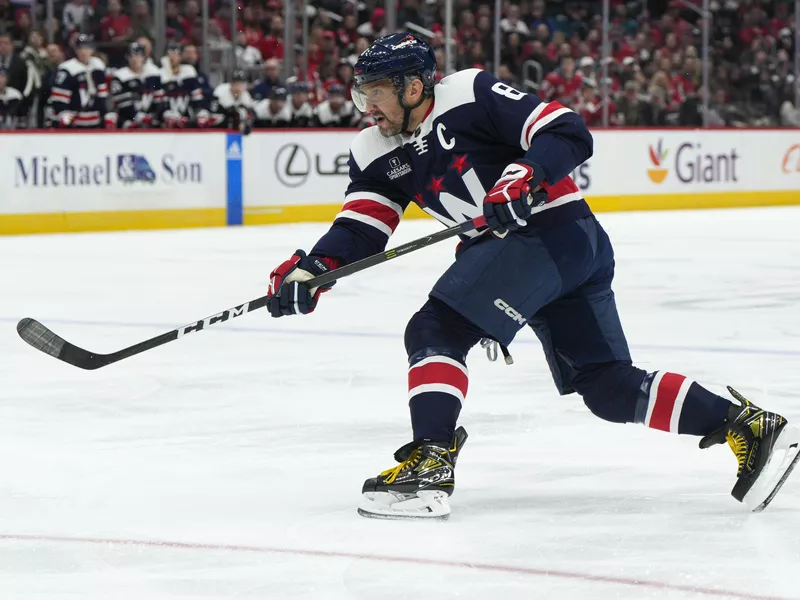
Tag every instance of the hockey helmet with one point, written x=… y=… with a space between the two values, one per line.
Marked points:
x=174 y=47
x=337 y=89
x=278 y=93
x=299 y=87
x=239 y=75
x=394 y=57
x=135 y=48
x=84 y=40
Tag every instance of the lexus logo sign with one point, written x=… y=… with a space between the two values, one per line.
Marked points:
x=292 y=165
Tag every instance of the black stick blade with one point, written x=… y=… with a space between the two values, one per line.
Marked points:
x=43 y=339
x=40 y=337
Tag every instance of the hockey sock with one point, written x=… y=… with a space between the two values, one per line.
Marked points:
x=437 y=386
x=674 y=403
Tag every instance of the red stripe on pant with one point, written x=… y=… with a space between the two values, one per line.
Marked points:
x=666 y=394
x=438 y=372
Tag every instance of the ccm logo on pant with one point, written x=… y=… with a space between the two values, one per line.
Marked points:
x=510 y=312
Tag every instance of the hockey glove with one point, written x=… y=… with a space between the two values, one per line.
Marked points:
x=288 y=292
x=510 y=202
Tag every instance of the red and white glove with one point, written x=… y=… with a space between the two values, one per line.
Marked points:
x=203 y=119
x=110 y=120
x=65 y=119
x=174 y=120
x=509 y=203
x=288 y=292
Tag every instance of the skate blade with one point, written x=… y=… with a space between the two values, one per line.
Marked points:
x=426 y=505
x=785 y=457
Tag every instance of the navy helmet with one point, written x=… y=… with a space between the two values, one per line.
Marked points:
x=395 y=57
x=135 y=48
x=299 y=87
x=239 y=75
x=84 y=40
x=174 y=46
x=337 y=89
x=278 y=93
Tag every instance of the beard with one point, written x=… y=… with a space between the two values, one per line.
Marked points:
x=389 y=128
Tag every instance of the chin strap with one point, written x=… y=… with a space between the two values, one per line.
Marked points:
x=407 y=109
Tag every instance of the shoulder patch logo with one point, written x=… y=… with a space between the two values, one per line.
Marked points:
x=397 y=169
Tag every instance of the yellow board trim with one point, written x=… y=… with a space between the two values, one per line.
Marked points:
x=268 y=215
x=111 y=221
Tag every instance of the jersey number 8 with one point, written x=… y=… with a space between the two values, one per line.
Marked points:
x=507 y=91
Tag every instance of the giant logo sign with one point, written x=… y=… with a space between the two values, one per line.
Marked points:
x=692 y=164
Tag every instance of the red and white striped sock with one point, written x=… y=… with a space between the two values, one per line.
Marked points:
x=677 y=404
x=437 y=386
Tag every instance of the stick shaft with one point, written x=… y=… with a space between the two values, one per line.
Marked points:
x=44 y=340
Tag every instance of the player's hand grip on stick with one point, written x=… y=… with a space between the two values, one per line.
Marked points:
x=510 y=202
x=43 y=339
x=289 y=292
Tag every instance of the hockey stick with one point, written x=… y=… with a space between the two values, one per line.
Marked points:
x=44 y=340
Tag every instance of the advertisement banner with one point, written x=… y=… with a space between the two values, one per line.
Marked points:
x=62 y=173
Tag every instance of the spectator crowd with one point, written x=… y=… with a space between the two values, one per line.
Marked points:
x=653 y=76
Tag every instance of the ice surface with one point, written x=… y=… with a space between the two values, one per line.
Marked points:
x=243 y=449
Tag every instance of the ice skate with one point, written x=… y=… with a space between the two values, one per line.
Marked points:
x=418 y=487
x=766 y=448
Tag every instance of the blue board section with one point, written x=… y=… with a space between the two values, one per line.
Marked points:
x=233 y=160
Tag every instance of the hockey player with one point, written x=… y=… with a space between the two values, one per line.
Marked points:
x=472 y=146
x=336 y=111
x=273 y=112
x=184 y=105
x=302 y=113
x=10 y=104
x=136 y=93
x=232 y=105
x=80 y=91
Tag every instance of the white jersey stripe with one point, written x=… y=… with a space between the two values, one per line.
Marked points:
x=560 y=201
x=375 y=198
x=546 y=121
x=367 y=220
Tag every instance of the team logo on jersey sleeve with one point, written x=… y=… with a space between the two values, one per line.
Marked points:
x=397 y=169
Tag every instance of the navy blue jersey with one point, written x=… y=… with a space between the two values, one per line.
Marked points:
x=80 y=93
x=476 y=127
x=137 y=97
x=183 y=95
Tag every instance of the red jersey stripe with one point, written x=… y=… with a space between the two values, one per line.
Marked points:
x=381 y=212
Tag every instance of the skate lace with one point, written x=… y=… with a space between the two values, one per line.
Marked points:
x=739 y=445
x=390 y=475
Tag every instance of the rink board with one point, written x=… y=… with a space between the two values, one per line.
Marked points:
x=54 y=182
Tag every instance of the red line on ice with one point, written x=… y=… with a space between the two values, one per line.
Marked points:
x=396 y=559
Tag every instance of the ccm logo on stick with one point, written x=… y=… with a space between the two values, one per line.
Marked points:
x=220 y=318
x=510 y=312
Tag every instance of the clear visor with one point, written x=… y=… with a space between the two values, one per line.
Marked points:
x=374 y=95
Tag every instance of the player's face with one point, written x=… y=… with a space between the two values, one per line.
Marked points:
x=380 y=100
x=237 y=87
x=336 y=101
x=3 y=81
x=136 y=62
x=84 y=53
x=174 y=57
